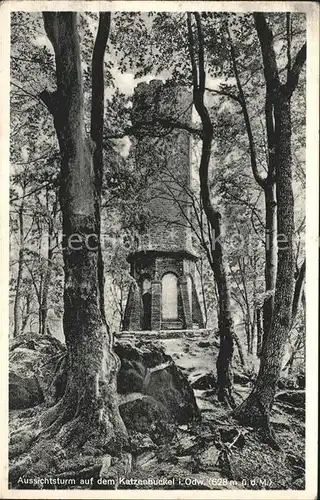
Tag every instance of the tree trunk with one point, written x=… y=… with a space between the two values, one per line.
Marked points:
x=270 y=255
x=252 y=331
x=240 y=351
x=205 y=307
x=298 y=291
x=225 y=322
x=89 y=404
x=256 y=409
x=47 y=277
x=46 y=285
x=259 y=332
x=19 y=294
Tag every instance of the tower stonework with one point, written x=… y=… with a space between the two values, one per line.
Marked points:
x=163 y=295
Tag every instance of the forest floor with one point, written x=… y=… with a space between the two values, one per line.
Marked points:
x=218 y=453
x=214 y=452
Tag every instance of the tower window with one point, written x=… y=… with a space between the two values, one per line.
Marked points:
x=169 y=296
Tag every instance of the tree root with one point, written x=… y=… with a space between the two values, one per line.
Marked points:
x=252 y=413
x=268 y=437
x=76 y=426
x=225 y=396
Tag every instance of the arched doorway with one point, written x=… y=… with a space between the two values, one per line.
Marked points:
x=170 y=297
x=146 y=301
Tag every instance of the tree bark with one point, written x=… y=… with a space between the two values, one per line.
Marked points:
x=88 y=410
x=225 y=322
x=270 y=255
x=47 y=277
x=19 y=294
x=26 y=315
x=259 y=332
x=298 y=291
x=255 y=410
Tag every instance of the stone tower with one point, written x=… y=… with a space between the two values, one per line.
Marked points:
x=163 y=295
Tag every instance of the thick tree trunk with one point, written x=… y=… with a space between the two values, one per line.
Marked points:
x=88 y=411
x=19 y=295
x=255 y=410
x=270 y=255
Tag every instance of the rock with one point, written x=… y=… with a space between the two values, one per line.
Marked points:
x=186 y=444
x=240 y=378
x=24 y=392
x=183 y=427
x=296 y=398
x=166 y=453
x=203 y=382
x=149 y=370
x=20 y=442
x=184 y=461
x=209 y=393
x=298 y=484
x=204 y=343
x=146 y=415
x=208 y=458
x=33 y=363
x=286 y=383
x=113 y=467
x=296 y=461
x=38 y=372
x=141 y=442
x=146 y=460
x=229 y=435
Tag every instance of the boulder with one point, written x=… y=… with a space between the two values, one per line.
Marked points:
x=204 y=343
x=295 y=398
x=33 y=362
x=203 y=382
x=38 y=372
x=147 y=369
x=146 y=415
x=24 y=392
x=208 y=459
x=240 y=378
x=286 y=383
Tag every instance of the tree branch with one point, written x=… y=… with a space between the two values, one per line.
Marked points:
x=295 y=71
x=270 y=68
x=166 y=123
x=288 y=29
x=242 y=101
x=97 y=98
x=50 y=100
x=225 y=93
x=191 y=52
x=202 y=73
